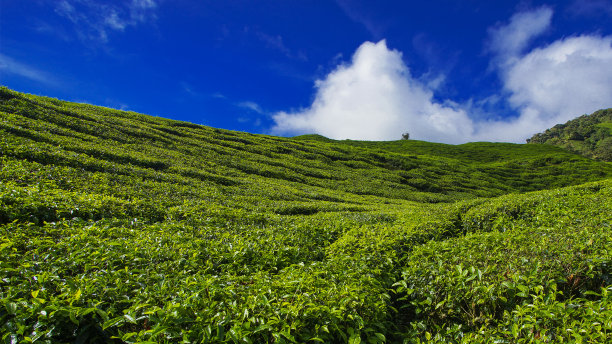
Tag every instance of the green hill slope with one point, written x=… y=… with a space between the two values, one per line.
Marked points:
x=121 y=227
x=589 y=135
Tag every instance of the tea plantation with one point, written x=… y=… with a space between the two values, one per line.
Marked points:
x=116 y=227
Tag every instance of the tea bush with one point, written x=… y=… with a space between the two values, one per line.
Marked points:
x=121 y=227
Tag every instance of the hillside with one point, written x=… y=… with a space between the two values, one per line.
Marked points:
x=589 y=135
x=121 y=227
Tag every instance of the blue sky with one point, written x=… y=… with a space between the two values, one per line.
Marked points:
x=444 y=71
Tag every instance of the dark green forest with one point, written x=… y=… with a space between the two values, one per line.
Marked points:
x=589 y=135
x=117 y=227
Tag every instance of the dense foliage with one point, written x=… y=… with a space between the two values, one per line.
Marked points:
x=589 y=135
x=120 y=227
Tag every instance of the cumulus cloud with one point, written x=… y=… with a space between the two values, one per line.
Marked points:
x=571 y=75
x=374 y=97
x=553 y=83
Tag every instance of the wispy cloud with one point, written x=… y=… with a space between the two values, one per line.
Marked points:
x=95 y=20
x=591 y=7
x=252 y=106
x=189 y=90
x=52 y=30
x=9 y=65
x=276 y=43
x=218 y=95
x=356 y=13
x=508 y=40
x=253 y=114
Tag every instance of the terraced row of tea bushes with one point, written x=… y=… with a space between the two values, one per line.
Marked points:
x=528 y=270
x=163 y=195
x=120 y=227
x=170 y=281
x=521 y=167
x=94 y=280
x=97 y=137
x=162 y=272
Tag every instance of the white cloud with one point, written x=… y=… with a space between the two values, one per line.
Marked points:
x=375 y=98
x=511 y=39
x=550 y=84
x=570 y=76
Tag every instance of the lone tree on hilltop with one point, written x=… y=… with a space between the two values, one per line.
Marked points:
x=406 y=136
